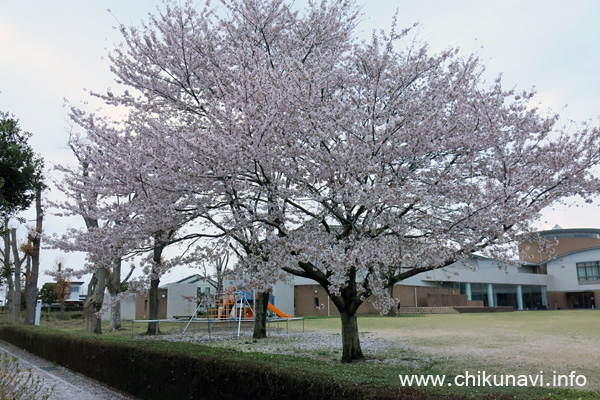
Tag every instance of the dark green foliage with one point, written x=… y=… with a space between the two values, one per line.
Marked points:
x=20 y=168
x=47 y=294
x=146 y=372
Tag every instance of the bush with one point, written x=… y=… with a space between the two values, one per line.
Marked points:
x=150 y=370
x=18 y=384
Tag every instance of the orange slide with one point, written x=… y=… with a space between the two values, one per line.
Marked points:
x=277 y=311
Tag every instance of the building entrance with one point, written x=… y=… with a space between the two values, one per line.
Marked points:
x=580 y=299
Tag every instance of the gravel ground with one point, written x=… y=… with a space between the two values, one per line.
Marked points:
x=66 y=384
x=316 y=345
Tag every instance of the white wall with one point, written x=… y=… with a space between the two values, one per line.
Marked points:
x=479 y=270
x=127 y=307
x=76 y=289
x=284 y=297
x=564 y=271
x=485 y=271
x=177 y=303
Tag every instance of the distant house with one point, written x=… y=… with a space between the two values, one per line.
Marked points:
x=182 y=295
x=77 y=296
x=204 y=285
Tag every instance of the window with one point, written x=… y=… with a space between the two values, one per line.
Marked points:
x=588 y=271
x=317 y=303
x=207 y=290
x=75 y=289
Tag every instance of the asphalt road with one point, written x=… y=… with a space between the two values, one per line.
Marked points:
x=67 y=384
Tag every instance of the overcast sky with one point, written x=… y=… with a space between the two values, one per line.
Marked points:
x=50 y=51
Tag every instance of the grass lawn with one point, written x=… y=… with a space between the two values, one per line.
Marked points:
x=536 y=342
x=519 y=343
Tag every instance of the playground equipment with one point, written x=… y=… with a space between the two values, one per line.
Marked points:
x=227 y=311
x=235 y=306
x=277 y=311
x=239 y=305
x=232 y=305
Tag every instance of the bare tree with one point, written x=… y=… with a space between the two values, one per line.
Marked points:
x=62 y=289
x=220 y=264
x=7 y=270
x=32 y=273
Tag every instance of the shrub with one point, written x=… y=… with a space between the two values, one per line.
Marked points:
x=19 y=384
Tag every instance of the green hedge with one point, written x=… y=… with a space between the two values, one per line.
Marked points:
x=141 y=370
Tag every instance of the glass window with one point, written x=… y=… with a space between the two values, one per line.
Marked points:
x=588 y=271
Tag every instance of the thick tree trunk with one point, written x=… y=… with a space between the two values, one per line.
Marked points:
x=16 y=300
x=10 y=291
x=260 y=315
x=114 y=288
x=93 y=302
x=393 y=311
x=31 y=290
x=7 y=268
x=115 y=316
x=11 y=288
x=153 y=300
x=347 y=303
x=351 y=350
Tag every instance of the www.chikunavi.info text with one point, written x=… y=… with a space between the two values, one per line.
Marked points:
x=482 y=379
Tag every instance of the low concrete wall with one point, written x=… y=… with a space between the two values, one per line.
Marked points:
x=446 y=300
x=475 y=303
x=484 y=309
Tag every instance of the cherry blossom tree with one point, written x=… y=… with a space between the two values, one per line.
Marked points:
x=83 y=201
x=417 y=166
x=229 y=205
x=125 y=215
x=354 y=164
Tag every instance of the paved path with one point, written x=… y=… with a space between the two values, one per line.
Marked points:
x=67 y=384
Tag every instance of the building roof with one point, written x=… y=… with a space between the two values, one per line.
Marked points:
x=588 y=233
x=562 y=255
x=194 y=279
x=558 y=233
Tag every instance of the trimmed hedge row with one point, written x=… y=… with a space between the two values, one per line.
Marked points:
x=147 y=373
